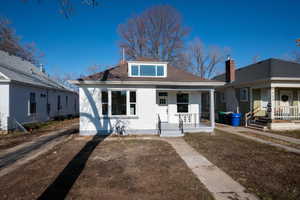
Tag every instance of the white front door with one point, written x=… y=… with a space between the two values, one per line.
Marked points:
x=163 y=106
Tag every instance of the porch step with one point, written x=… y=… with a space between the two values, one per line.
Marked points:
x=171 y=133
x=257 y=127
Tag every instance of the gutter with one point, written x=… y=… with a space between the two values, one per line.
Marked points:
x=170 y=83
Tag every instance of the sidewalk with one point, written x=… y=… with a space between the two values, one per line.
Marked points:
x=239 y=130
x=221 y=185
x=14 y=157
x=273 y=135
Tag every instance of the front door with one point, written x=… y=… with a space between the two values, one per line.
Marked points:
x=163 y=106
x=286 y=98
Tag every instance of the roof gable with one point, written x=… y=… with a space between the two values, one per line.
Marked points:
x=16 y=69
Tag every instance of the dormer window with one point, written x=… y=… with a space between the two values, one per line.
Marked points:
x=142 y=69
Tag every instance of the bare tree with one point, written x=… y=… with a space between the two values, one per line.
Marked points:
x=296 y=56
x=203 y=61
x=156 y=33
x=93 y=69
x=66 y=7
x=10 y=43
x=255 y=59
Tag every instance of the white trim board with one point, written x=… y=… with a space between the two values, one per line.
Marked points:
x=204 y=83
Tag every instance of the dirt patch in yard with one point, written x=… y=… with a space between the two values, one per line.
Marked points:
x=15 y=138
x=268 y=172
x=123 y=169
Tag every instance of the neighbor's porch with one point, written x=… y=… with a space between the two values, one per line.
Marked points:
x=185 y=110
x=276 y=103
x=277 y=107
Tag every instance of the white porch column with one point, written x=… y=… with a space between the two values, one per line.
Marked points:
x=212 y=108
x=251 y=99
x=109 y=102
x=272 y=101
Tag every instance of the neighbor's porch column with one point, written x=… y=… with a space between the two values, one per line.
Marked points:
x=272 y=101
x=212 y=108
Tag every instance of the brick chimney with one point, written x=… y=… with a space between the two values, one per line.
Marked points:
x=230 y=70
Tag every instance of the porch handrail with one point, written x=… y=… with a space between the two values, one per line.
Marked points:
x=159 y=125
x=180 y=123
x=249 y=115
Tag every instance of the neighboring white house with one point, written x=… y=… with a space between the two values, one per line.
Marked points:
x=29 y=95
x=145 y=97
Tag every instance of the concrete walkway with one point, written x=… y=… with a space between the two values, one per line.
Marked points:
x=14 y=157
x=238 y=130
x=272 y=135
x=222 y=186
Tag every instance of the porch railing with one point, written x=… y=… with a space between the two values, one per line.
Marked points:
x=189 y=118
x=287 y=113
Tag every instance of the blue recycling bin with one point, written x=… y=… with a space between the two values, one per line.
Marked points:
x=235 y=119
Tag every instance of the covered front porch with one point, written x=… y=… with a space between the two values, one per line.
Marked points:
x=276 y=106
x=182 y=110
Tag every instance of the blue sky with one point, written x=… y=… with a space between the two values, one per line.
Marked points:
x=265 y=28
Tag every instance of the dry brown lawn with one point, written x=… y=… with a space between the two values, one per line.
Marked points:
x=269 y=172
x=114 y=170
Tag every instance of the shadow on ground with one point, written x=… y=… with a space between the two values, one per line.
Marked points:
x=61 y=186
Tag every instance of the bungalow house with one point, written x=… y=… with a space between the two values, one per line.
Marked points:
x=28 y=94
x=266 y=93
x=145 y=97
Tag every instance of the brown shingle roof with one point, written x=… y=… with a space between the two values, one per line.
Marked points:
x=120 y=73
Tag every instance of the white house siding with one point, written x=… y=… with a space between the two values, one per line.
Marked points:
x=4 y=105
x=19 y=103
x=92 y=122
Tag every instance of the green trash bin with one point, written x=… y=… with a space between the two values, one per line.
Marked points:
x=222 y=117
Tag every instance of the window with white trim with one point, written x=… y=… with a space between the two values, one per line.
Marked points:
x=67 y=101
x=244 y=94
x=182 y=103
x=147 y=70
x=132 y=101
x=104 y=101
x=119 y=102
x=58 y=103
x=32 y=103
x=163 y=98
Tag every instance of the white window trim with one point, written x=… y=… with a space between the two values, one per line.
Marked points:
x=110 y=115
x=247 y=95
x=152 y=64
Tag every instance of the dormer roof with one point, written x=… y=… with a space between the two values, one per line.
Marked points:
x=120 y=73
